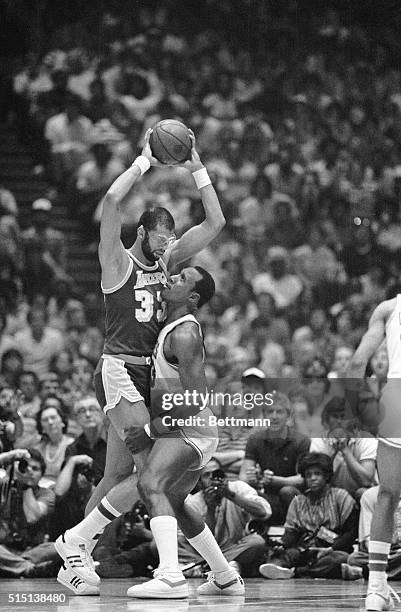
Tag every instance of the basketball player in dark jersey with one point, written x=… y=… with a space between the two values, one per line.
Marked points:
x=132 y=280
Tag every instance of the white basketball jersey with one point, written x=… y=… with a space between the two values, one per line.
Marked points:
x=165 y=374
x=393 y=340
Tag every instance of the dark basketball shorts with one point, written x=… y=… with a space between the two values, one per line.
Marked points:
x=114 y=379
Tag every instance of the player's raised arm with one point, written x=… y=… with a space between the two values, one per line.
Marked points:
x=112 y=256
x=370 y=342
x=198 y=237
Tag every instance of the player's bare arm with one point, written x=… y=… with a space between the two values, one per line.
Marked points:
x=198 y=237
x=371 y=340
x=112 y=256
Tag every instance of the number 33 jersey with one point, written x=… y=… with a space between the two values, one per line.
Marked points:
x=135 y=310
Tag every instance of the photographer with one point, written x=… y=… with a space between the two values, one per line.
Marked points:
x=353 y=451
x=320 y=527
x=10 y=418
x=227 y=507
x=83 y=466
x=24 y=510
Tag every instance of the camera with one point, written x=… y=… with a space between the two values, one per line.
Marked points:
x=87 y=471
x=22 y=466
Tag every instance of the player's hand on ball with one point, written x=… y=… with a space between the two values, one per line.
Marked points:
x=194 y=163
x=147 y=151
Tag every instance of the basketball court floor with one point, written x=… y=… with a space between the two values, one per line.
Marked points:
x=261 y=595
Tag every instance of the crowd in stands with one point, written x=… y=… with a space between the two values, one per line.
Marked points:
x=300 y=133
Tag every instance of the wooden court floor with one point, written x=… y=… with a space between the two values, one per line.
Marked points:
x=267 y=595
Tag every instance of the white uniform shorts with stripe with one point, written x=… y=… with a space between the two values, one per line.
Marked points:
x=390 y=412
x=203 y=439
x=114 y=379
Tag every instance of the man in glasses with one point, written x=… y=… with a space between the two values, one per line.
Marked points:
x=132 y=281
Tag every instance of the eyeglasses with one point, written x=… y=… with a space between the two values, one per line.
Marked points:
x=84 y=409
x=164 y=240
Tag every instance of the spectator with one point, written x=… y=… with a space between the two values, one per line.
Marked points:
x=69 y=136
x=28 y=384
x=49 y=384
x=353 y=451
x=317 y=389
x=12 y=364
x=6 y=341
x=83 y=466
x=51 y=425
x=53 y=242
x=25 y=511
x=10 y=418
x=320 y=527
x=227 y=507
x=276 y=452
x=283 y=286
x=38 y=343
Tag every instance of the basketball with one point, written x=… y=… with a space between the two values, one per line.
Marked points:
x=170 y=142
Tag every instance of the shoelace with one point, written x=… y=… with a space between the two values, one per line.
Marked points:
x=393 y=594
x=378 y=588
x=86 y=557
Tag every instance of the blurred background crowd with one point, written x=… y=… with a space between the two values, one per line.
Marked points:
x=297 y=115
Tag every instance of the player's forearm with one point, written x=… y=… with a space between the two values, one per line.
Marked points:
x=214 y=218
x=123 y=184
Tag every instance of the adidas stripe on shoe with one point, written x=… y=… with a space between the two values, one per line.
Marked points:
x=77 y=558
x=74 y=583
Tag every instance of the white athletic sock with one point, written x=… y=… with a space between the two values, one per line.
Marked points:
x=164 y=529
x=378 y=558
x=205 y=544
x=93 y=525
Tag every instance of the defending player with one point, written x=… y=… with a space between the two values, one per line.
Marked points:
x=385 y=323
x=132 y=280
x=176 y=459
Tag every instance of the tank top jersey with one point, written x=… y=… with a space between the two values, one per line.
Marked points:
x=393 y=340
x=165 y=376
x=135 y=310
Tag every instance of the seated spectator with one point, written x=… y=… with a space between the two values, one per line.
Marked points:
x=317 y=389
x=83 y=466
x=28 y=384
x=10 y=418
x=276 y=452
x=52 y=241
x=24 y=512
x=61 y=364
x=232 y=439
x=38 y=343
x=301 y=411
x=51 y=424
x=341 y=361
x=49 y=384
x=12 y=364
x=379 y=366
x=358 y=561
x=353 y=451
x=324 y=341
x=69 y=136
x=320 y=527
x=283 y=286
x=6 y=341
x=368 y=412
x=227 y=507
x=277 y=328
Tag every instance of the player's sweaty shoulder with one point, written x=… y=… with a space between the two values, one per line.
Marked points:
x=384 y=310
x=186 y=337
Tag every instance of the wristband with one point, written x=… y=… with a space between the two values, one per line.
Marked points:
x=142 y=162
x=201 y=178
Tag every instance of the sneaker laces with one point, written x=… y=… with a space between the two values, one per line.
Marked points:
x=86 y=558
x=210 y=576
x=384 y=590
x=393 y=594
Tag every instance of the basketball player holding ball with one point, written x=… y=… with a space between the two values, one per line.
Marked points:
x=385 y=324
x=132 y=281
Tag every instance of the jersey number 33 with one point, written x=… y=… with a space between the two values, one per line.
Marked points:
x=149 y=303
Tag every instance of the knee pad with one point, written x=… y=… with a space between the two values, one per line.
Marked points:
x=136 y=439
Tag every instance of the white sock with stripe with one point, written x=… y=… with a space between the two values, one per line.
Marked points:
x=205 y=544
x=378 y=559
x=94 y=524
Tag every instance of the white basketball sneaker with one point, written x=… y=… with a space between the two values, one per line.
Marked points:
x=165 y=585
x=77 y=558
x=224 y=583
x=380 y=597
x=74 y=583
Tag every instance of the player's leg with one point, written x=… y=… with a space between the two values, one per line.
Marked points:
x=389 y=470
x=223 y=579
x=77 y=543
x=119 y=466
